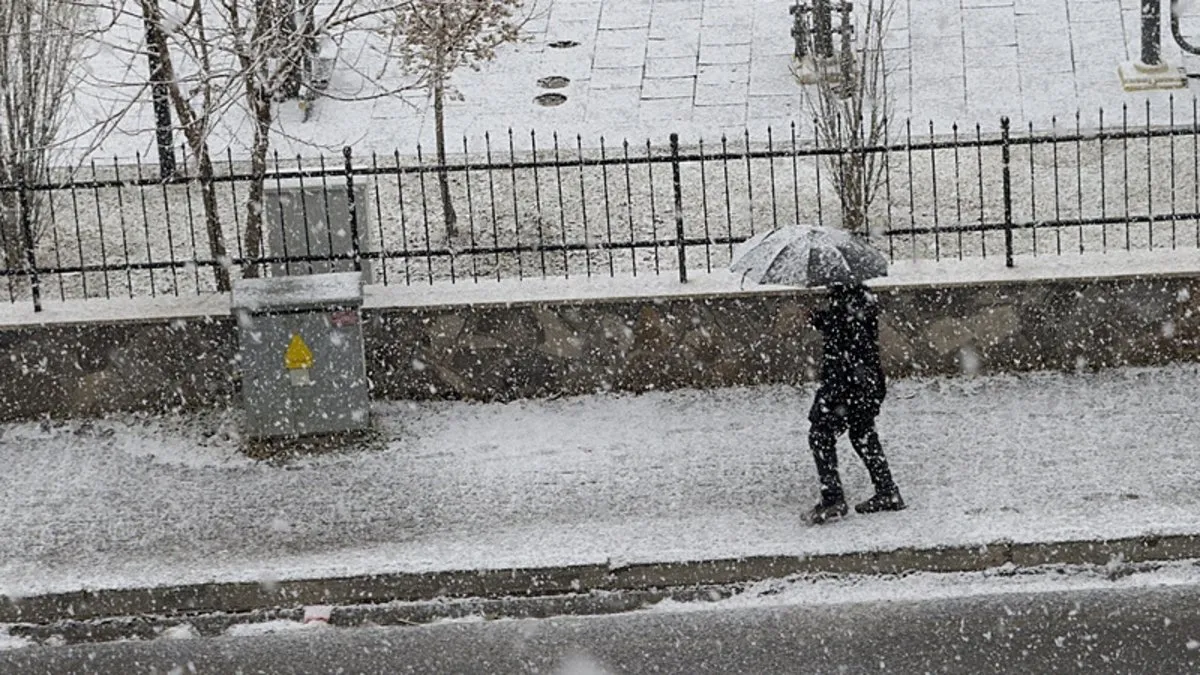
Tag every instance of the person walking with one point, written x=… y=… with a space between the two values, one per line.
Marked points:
x=851 y=393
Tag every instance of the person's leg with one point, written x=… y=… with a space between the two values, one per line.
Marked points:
x=827 y=421
x=865 y=440
x=822 y=440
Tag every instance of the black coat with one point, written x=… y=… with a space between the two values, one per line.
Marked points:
x=851 y=371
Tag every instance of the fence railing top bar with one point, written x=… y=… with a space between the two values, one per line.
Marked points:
x=905 y=138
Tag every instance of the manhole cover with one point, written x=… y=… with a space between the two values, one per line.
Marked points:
x=554 y=82
x=563 y=44
x=550 y=100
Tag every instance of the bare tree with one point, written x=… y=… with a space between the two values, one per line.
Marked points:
x=196 y=117
x=229 y=59
x=40 y=42
x=847 y=93
x=436 y=38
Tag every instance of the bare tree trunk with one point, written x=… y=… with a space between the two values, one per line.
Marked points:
x=258 y=97
x=851 y=105
x=193 y=126
x=212 y=223
x=39 y=42
x=10 y=229
x=439 y=124
x=258 y=171
x=285 y=15
x=212 y=218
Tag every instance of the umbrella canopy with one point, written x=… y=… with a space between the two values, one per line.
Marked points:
x=804 y=255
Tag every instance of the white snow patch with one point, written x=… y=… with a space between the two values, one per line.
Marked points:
x=581 y=664
x=902 y=273
x=8 y=642
x=468 y=618
x=270 y=627
x=268 y=583
x=184 y=631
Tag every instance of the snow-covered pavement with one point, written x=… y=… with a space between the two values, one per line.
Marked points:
x=137 y=501
x=642 y=69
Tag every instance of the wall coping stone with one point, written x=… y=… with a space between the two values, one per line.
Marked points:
x=907 y=275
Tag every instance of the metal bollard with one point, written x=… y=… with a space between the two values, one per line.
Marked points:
x=1151 y=32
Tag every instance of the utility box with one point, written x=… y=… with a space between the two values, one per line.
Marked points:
x=302 y=361
x=311 y=219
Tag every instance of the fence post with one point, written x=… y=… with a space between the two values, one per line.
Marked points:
x=352 y=207
x=24 y=207
x=678 y=188
x=1006 y=161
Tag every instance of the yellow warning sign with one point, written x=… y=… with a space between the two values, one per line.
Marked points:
x=298 y=355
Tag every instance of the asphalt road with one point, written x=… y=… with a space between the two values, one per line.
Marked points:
x=1155 y=630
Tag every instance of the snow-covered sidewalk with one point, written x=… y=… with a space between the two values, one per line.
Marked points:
x=689 y=475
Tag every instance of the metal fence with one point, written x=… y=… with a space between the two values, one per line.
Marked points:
x=527 y=209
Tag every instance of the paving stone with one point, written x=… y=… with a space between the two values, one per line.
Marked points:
x=724 y=53
x=625 y=15
x=719 y=95
x=671 y=67
x=721 y=74
x=669 y=87
x=625 y=57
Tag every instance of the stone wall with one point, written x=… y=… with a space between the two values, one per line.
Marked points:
x=491 y=353
x=504 y=352
x=93 y=368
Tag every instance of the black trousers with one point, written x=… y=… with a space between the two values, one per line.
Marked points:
x=830 y=417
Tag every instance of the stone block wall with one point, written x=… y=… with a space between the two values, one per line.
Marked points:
x=541 y=349
x=63 y=370
x=510 y=351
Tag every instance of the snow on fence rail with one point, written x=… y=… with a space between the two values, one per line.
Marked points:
x=568 y=210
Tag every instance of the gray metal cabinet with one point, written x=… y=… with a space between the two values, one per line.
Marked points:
x=301 y=355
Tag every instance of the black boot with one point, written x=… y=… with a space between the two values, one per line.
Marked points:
x=866 y=442
x=889 y=501
x=825 y=511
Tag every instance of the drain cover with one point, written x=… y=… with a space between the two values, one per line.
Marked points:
x=554 y=82
x=563 y=44
x=550 y=100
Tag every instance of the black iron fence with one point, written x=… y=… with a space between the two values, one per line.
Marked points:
x=527 y=209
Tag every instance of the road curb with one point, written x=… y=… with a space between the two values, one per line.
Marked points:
x=238 y=597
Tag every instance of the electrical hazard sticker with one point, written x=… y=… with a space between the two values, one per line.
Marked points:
x=298 y=360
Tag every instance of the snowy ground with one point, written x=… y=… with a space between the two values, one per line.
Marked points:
x=136 y=501
x=647 y=68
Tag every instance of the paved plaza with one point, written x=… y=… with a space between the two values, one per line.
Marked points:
x=642 y=69
x=646 y=68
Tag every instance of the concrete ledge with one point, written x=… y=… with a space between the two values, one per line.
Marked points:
x=245 y=597
x=1139 y=549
